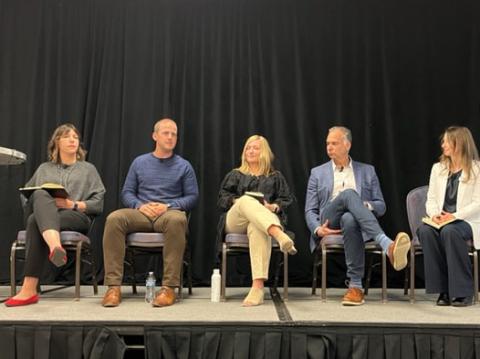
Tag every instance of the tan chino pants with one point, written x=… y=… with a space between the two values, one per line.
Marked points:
x=247 y=215
x=173 y=225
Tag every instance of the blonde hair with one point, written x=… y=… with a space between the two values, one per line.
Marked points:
x=462 y=142
x=265 y=159
x=52 y=147
x=160 y=122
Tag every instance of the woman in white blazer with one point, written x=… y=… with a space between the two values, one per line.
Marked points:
x=453 y=202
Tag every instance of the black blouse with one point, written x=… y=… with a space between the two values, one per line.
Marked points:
x=450 y=202
x=274 y=187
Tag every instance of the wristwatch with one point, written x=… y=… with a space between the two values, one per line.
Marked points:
x=75 y=206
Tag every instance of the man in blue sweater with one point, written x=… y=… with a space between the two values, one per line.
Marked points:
x=160 y=187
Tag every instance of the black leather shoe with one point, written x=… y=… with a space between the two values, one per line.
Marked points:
x=443 y=300
x=462 y=302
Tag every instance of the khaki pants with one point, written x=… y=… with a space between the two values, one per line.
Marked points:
x=173 y=225
x=249 y=216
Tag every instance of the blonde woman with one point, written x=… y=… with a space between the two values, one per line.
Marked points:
x=453 y=195
x=48 y=215
x=259 y=219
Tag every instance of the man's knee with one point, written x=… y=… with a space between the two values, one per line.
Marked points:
x=348 y=222
x=116 y=222
x=176 y=220
x=116 y=217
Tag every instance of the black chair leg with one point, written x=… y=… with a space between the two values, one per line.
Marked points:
x=131 y=264
x=369 y=272
x=316 y=264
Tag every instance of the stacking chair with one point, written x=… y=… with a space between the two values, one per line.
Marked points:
x=416 y=200
x=150 y=243
x=334 y=244
x=235 y=243
x=72 y=242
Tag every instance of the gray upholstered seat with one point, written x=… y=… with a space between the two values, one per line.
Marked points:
x=146 y=239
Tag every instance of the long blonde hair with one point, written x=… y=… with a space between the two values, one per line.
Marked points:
x=462 y=142
x=265 y=159
x=52 y=147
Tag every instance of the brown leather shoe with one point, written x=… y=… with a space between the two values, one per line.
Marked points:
x=354 y=296
x=398 y=250
x=112 y=297
x=165 y=297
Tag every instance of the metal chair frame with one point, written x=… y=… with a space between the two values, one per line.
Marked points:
x=243 y=247
x=81 y=245
x=325 y=248
x=156 y=248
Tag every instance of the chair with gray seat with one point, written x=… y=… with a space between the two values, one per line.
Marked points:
x=152 y=243
x=334 y=244
x=235 y=243
x=416 y=201
x=72 y=241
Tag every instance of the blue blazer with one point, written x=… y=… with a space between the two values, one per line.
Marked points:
x=320 y=188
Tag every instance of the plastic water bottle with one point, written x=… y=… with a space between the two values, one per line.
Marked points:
x=216 y=279
x=150 y=288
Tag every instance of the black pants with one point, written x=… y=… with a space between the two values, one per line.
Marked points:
x=447 y=265
x=43 y=214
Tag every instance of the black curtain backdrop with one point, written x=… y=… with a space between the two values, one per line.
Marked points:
x=397 y=72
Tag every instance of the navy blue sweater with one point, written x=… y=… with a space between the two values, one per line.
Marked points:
x=168 y=180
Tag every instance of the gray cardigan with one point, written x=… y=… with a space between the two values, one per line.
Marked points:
x=81 y=180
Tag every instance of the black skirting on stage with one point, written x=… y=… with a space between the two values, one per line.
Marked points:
x=168 y=341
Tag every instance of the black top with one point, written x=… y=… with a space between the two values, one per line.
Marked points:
x=235 y=184
x=450 y=202
x=274 y=188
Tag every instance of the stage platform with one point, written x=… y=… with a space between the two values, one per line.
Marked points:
x=302 y=327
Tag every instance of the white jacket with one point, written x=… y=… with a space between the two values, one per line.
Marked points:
x=468 y=197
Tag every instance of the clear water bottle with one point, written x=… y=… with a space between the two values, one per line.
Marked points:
x=150 y=288
x=215 y=282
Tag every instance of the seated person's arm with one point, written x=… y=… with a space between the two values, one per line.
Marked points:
x=93 y=203
x=228 y=191
x=471 y=210
x=376 y=200
x=284 y=196
x=312 y=203
x=190 y=192
x=433 y=204
x=130 y=188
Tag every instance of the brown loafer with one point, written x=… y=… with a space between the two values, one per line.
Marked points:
x=353 y=296
x=164 y=297
x=112 y=297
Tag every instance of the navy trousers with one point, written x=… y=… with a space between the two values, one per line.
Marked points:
x=348 y=213
x=447 y=265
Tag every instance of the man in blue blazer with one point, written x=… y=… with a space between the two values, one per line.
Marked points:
x=344 y=197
